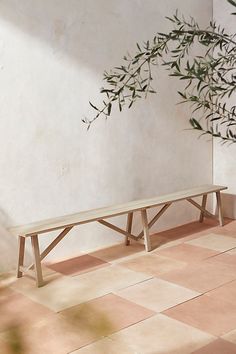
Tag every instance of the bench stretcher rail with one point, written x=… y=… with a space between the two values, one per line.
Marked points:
x=66 y=223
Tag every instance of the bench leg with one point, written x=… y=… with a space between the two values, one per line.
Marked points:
x=219 y=206
x=21 y=254
x=146 y=230
x=37 y=260
x=128 y=228
x=204 y=200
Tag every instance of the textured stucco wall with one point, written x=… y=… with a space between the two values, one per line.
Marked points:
x=224 y=155
x=52 y=56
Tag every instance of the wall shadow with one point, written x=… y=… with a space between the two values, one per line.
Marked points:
x=229 y=205
x=76 y=28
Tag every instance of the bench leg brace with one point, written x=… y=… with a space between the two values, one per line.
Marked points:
x=146 y=230
x=128 y=228
x=52 y=245
x=219 y=206
x=204 y=200
x=21 y=254
x=37 y=260
x=155 y=218
x=205 y=212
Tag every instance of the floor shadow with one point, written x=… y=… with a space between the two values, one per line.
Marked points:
x=77 y=28
x=185 y=231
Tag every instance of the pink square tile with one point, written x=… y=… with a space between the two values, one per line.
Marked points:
x=230 y=336
x=161 y=335
x=117 y=252
x=153 y=264
x=223 y=231
x=187 y=253
x=5 y=348
x=5 y=293
x=231 y=225
x=184 y=233
x=190 y=228
x=54 y=334
x=203 y=276
x=207 y=313
x=214 y=242
x=108 y=314
x=219 y=346
x=226 y=292
x=19 y=310
x=227 y=258
x=184 y=230
x=78 y=265
x=156 y=294
x=158 y=241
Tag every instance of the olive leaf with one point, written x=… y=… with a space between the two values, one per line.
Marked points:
x=209 y=78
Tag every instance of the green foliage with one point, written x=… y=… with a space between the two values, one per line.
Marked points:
x=210 y=78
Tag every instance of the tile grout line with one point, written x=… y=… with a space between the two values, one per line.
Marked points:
x=223 y=252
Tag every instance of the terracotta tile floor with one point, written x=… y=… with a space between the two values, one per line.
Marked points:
x=78 y=265
x=178 y=299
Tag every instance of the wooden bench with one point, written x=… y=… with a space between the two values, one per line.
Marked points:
x=66 y=223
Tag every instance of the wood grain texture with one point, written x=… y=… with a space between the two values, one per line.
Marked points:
x=37 y=261
x=147 y=241
x=204 y=200
x=129 y=227
x=21 y=255
x=219 y=205
x=83 y=217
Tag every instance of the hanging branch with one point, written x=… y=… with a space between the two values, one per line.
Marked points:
x=210 y=78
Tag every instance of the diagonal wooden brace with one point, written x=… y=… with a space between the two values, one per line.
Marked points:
x=203 y=210
x=204 y=200
x=52 y=245
x=155 y=218
x=117 y=229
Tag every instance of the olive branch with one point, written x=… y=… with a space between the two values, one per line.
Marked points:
x=210 y=77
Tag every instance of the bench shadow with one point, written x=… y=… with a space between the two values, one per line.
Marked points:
x=229 y=204
x=186 y=232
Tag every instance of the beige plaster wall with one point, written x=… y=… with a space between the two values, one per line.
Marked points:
x=52 y=56
x=224 y=155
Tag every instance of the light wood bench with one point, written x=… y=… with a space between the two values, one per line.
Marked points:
x=66 y=223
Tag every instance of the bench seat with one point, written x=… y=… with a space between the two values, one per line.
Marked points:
x=66 y=223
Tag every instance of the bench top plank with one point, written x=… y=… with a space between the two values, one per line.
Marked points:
x=83 y=217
